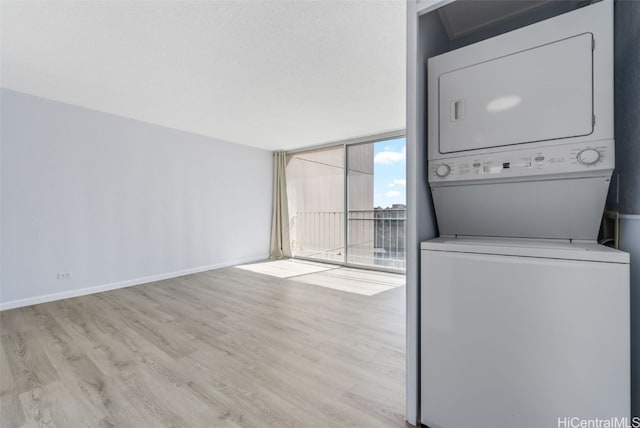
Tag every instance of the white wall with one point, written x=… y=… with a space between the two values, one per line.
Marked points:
x=426 y=37
x=119 y=202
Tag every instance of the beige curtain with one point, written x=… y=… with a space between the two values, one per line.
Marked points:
x=280 y=243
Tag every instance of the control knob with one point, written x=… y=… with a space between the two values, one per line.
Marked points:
x=443 y=170
x=588 y=156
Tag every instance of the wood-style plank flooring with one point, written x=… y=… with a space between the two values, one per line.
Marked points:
x=223 y=348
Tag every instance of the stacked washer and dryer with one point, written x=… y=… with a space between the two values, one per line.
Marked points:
x=524 y=317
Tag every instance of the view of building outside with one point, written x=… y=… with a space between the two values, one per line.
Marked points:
x=315 y=191
x=390 y=198
x=376 y=204
x=361 y=228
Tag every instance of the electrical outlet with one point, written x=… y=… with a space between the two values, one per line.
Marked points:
x=64 y=275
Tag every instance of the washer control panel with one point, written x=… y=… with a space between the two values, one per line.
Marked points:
x=589 y=156
x=443 y=170
x=525 y=162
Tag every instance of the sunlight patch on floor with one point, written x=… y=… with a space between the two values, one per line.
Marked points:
x=359 y=281
x=286 y=268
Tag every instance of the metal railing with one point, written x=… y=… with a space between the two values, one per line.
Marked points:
x=376 y=237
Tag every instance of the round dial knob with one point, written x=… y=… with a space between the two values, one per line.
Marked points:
x=588 y=156
x=443 y=170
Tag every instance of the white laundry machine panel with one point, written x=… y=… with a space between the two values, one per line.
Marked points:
x=551 y=208
x=521 y=333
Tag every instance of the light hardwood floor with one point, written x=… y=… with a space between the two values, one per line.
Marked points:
x=223 y=348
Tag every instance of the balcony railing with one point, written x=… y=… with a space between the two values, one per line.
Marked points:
x=375 y=237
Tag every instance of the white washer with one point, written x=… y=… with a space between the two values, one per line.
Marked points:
x=519 y=333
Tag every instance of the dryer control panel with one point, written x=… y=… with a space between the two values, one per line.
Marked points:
x=558 y=159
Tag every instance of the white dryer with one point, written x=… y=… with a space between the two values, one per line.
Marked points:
x=524 y=317
x=521 y=131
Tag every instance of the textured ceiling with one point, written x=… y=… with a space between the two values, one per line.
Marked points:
x=270 y=74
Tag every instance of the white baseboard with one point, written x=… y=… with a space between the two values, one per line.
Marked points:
x=12 y=304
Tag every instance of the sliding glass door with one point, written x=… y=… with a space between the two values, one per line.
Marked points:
x=349 y=193
x=315 y=190
x=360 y=224
x=376 y=181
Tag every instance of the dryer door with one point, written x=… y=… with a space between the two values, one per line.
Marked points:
x=538 y=94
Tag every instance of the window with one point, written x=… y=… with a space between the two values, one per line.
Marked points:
x=370 y=219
